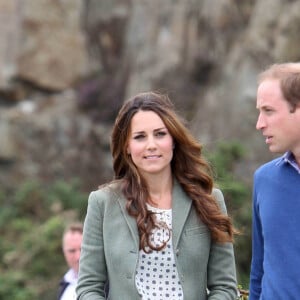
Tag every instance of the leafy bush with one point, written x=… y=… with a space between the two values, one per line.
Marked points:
x=32 y=222
x=237 y=194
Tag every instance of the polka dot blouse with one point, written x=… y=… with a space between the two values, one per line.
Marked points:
x=156 y=276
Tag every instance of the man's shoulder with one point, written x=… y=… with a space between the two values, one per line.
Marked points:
x=269 y=166
x=62 y=287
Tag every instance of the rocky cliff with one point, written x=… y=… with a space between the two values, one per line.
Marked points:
x=66 y=67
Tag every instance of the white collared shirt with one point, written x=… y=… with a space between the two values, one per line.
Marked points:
x=70 y=292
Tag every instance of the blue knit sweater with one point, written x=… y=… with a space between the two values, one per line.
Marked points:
x=275 y=267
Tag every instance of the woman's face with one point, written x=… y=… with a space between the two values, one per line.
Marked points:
x=150 y=144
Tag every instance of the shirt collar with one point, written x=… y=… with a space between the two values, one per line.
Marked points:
x=289 y=158
x=71 y=276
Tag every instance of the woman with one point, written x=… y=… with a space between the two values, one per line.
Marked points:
x=159 y=230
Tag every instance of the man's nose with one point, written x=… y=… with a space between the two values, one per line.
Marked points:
x=260 y=124
x=77 y=254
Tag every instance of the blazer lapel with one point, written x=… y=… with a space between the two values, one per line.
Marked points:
x=181 y=205
x=131 y=222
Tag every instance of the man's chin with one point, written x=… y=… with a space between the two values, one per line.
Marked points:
x=276 y=150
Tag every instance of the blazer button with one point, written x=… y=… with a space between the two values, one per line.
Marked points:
x=177 y=252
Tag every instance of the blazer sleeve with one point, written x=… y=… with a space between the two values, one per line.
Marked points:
x=92 y=265
x=221 y=281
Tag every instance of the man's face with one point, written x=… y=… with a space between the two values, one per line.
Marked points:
x=71 y=249
x=279 y=126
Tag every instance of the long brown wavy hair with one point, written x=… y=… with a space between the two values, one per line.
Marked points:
x=188 y=166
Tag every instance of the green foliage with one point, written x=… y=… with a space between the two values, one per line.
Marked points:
x=13 y=286
x=30 y=200
x=32 y=222
x=237 y=193
x=63 y=193
x=243 y=294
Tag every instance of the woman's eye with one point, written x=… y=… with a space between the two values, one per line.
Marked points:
x=138 y=137
x=161 y=133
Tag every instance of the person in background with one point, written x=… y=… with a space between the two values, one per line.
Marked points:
x=71 y=246
x=276 y=190
x=159 y=229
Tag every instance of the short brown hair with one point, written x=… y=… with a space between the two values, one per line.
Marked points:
x=74 y=227
x=288 y=75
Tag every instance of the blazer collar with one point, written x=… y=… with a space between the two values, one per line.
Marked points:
x=131 y=221
x=181 y=205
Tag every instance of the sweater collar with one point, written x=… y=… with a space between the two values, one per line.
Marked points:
x=289 y=158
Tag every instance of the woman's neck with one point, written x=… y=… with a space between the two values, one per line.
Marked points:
x=160 y=192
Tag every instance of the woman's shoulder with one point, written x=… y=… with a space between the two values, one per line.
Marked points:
x=218 y=195
x=106 y=192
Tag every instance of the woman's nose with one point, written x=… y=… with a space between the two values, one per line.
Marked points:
x=151 y=143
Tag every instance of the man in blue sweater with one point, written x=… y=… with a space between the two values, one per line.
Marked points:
x=275 y=267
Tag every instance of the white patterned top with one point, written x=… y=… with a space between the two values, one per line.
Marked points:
x=156 y=276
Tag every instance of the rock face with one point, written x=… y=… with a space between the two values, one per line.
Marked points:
x=66 y=66
x=41 y=43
